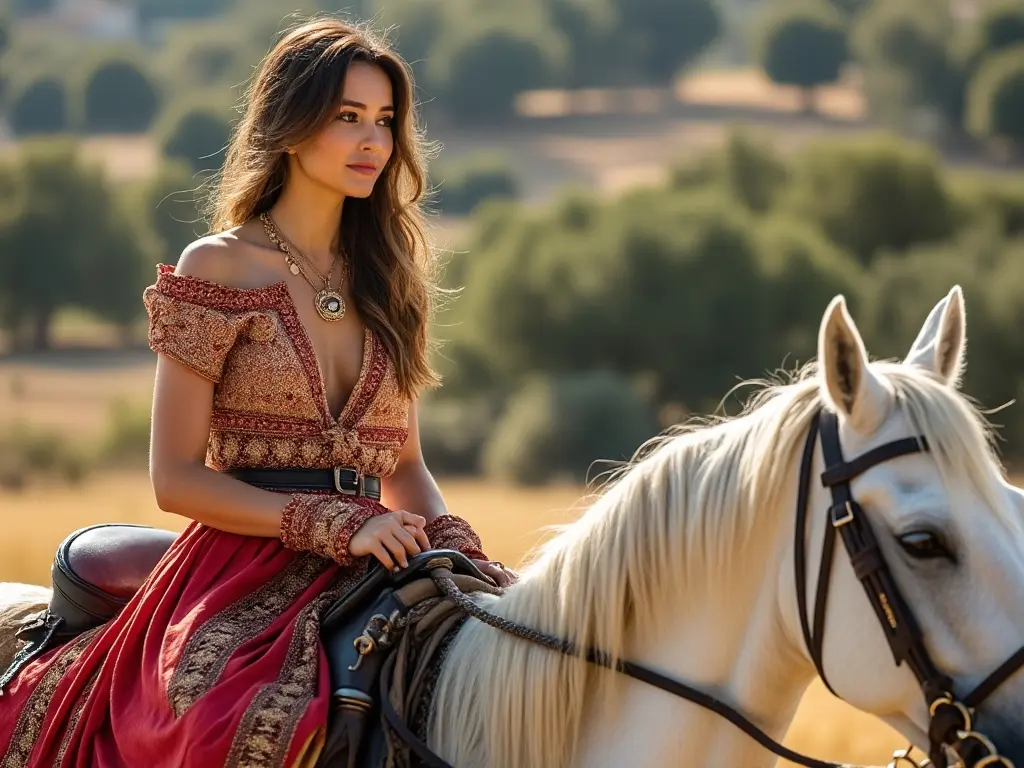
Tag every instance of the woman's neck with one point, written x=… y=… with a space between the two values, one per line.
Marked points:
x=310 y=221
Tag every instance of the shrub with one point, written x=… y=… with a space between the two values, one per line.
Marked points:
x=990 y=200
x=558 y=428
x=995 y=101
x=119 y=97
x=41 y=107
x=30 y=452
x=198 y=135
x=479 y=73
x=803 y=44
x=747 y=168
x=126 y=442
x=872 y=194
x=453 y=432
x=464 y=185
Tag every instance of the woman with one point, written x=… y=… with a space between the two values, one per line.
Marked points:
x=291 y=347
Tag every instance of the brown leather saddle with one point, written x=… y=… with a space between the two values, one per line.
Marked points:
x=95 y=573
x=97 y=570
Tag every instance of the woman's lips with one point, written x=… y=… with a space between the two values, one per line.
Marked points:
x=366 y=169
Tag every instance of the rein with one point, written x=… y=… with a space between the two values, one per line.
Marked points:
x=629 y=668
x=951 y=733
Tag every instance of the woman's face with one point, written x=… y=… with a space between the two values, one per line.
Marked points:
x=348 y=156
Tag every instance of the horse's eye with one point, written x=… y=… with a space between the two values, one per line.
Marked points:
x=924 y=545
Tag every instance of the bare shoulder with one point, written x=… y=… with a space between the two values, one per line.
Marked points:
x=219 y=258
x=234 y=258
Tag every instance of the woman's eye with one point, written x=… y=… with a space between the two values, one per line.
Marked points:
x=348 y=117
x=924 y=545
x=387 y=121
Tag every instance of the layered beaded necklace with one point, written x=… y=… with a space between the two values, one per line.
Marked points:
x=329 y=302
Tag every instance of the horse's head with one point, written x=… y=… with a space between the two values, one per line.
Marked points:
x=949 y=531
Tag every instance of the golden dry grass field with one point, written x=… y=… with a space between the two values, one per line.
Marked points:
x=511 y=521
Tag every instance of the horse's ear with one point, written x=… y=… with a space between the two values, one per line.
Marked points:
x=848 y=383
x=941 y=345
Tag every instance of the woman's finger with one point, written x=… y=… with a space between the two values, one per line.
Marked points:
x=397 y=548
x=408 y=540
x=421 y=537
x=382 y=554
x=408 y=518
x=504 y=576
x=493 y=571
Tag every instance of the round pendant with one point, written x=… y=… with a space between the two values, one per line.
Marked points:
x=330 y=305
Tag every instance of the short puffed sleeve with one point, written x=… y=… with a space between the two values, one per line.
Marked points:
x=193 y=321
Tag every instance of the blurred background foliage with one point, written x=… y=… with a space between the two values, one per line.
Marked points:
x=590 y=315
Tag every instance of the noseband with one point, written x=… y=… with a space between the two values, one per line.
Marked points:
x=951 y=732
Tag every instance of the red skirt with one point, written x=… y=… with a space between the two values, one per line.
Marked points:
x=216 y=661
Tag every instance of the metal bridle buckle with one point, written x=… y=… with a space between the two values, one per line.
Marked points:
x=351 y=484
x=839 y=522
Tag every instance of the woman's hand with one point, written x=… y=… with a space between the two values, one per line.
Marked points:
x=391 y=538
x=502 y=576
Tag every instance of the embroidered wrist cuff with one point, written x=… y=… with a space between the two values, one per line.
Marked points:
x=452 y=532
x=324 y=524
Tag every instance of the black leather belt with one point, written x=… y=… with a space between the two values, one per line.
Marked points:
x=347 y=480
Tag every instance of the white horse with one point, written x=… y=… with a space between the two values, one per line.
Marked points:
x=686 y=565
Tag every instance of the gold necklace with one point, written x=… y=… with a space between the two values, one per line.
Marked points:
x=329 y=303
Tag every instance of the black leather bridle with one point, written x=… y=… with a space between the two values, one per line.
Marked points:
x=951 y=733
x=952 y=719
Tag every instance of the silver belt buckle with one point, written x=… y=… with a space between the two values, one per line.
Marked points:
x=357 y=479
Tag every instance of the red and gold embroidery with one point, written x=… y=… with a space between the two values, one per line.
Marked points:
x=30 y=721
x=270 y=407
x=270 y=411
x=264 y=736
x=324 y=524
x=452 y=532
x=69 y=731
x=211 y=645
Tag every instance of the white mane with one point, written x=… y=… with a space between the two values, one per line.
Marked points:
x=678 y=516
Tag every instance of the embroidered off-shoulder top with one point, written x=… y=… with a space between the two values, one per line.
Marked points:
x=270 y=405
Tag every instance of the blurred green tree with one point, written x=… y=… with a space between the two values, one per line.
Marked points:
x=803 y=44
x=912 y=71
x=596 y=58
x=571 y=426
x=872 y=193
x=414 y=27
x=195 y=133
x=1000 y=25
x=746 y=167
x=119 y=97
x=478 y=65
x=152 y=10
x=996 y=98
x=168 y=204
x=461 y=185
x=62 y=243
x=40 y=107
x=662 y=37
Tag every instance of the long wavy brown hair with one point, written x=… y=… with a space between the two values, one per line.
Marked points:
x=295 y=94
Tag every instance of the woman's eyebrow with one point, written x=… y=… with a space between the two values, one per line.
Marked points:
x=360 y=105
